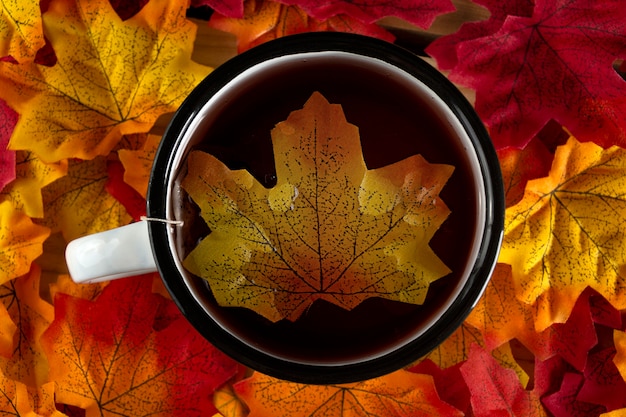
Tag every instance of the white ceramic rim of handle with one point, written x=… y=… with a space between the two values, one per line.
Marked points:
x=118 y=253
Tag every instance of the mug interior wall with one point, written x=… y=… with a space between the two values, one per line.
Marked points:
x=247 y=83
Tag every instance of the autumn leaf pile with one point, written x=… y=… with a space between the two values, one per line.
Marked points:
x=82 y=84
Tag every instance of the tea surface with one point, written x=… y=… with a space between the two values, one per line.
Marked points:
x=394 y=122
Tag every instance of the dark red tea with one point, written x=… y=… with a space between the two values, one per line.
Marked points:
x=396 y=119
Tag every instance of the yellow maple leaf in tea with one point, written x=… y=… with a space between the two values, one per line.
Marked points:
x=330 y=229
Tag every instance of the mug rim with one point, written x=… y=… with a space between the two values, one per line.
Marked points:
x=444 y=325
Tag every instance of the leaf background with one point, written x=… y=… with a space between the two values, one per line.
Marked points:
x=40 y=205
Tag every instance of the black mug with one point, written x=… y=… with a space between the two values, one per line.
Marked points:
x=402 y=107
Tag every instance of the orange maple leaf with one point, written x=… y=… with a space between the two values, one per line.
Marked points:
x=260 y=17
x=330 y=229
x=112 y=77
x=7 y=331
x=400 y=393
x=620 y=356
x=265 y=20
x=501 y=317
x=569 y=231
x=32 y=315
x=21 y=30
x=17 y=399
x=21 y=242
x=456 y=348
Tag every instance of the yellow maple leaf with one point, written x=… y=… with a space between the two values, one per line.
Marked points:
x=20 y=242
x=21 y=32
x=227 y=403
x=569 y=230
x=330 y=229
x=400 y=393
x=32 y=174
x=78 y=203
x=112 y=77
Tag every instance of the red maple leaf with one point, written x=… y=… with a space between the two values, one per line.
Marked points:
x=419 y=12
x=603 y=383
x=449 y=383
x=46 y=55
x=564 y=403
x=444 y=49
x=548 y=374
x=126 y=9
x=132 y=201
x=7 y=157
x=574 y=339
x=603 y=312
x=556 y=64
x=107 y=357
x=588 y=328
x=495 y=390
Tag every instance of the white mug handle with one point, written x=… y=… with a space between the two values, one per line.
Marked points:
x=117 y=253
